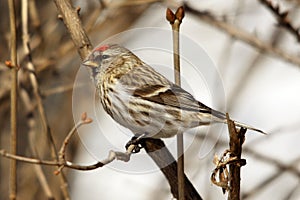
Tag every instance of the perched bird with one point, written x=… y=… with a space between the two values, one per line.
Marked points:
x=144 y=101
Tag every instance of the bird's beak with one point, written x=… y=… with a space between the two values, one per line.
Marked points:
x=90 y=63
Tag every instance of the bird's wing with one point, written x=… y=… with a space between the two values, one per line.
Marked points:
x=145 y=83
x=174 y=96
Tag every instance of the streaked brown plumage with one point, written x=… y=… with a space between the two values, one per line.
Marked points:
x=141 y=99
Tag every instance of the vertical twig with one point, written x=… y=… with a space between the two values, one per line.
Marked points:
x=14 y=99
x=33 y=13
x=32 y=125
x=36 y=91
x=175 y=20
x=235 y=144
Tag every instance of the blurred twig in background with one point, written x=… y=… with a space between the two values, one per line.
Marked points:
x=282 y=17
x=13 y=65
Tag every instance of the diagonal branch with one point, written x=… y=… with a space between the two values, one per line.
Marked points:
x=242 y=35
x=282 y=18
x=71 y=19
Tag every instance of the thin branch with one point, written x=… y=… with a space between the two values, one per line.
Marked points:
x=84 y=120
x=175 y=21
x=282 y=18
x=14 y=100
x=242 y=35
x=25 y=97
x=63 y=163
x=113 y=155
x=70 y=17
x=36 y=91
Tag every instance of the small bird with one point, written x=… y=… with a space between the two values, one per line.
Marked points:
x=144 y=101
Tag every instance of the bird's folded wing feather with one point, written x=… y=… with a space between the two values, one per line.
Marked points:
x=174 y=96
x=158 y=89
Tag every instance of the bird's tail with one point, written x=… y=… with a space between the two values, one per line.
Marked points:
x=221 y=117
x=242 y=125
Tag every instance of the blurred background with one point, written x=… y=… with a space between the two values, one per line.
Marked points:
x=254 y=59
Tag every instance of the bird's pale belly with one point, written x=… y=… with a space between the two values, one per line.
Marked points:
x=144 y=117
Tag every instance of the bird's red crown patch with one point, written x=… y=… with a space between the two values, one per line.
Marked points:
x=102 y=48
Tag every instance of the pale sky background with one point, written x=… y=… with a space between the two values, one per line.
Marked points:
x=270 y=101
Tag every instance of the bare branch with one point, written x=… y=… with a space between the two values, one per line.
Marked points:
x=175 y=21
x=282 y=18
x=236 y=141
x=84 y=120
x=113 y=155
x=63 y=163
x=242 y=35
x=73 y=23
x=36 y=91
x=13 y=99
x=227 y=172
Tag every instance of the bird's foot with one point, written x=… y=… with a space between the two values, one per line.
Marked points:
x=137 y=142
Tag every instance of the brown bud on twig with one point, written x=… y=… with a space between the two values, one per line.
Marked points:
x=88 y=120
x=180 y=13
x=60 y=17
x=170 y=16
x=8 y=63
x=83 y=116
x=56 y=172
x=284 y=14
x=78 y=10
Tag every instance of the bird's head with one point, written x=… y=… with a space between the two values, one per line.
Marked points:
x=101 y=57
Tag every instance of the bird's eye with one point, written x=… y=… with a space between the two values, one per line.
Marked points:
x=105 y=56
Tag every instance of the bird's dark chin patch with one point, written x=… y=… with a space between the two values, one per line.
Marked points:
x=94 y=72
